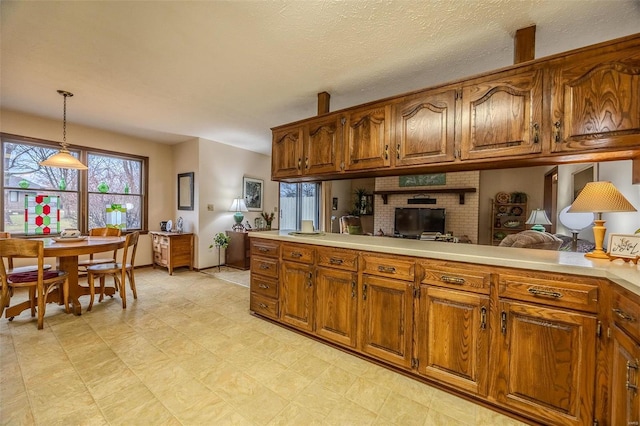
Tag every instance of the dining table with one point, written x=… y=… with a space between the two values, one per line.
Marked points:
x=67 y=251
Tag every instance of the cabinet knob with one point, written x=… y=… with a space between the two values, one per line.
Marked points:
x=556 y=131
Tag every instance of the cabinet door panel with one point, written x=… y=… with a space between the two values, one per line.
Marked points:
x=547 y=363
x=387 y=319
x=368 y=140
x=297 y=295
x=286 y=153
x=425 y=128
x=323 y=146
x=502 y=116
x=453 y=343
x=596 y=102
x=625 y=405
x=337 y=297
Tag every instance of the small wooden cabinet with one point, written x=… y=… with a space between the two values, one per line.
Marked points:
x=507 y=218
x=238 y=253
x=297 y=283
x=172 y=250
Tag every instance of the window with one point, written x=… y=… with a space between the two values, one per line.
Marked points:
x=298 y=202
x=85 y=196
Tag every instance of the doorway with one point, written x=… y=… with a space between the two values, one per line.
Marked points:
x=550 y=198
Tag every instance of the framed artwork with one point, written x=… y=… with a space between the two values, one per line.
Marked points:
x=185 y=191
x=334 y=203
x=625 y=246
x=253 y=193
x=423 y=180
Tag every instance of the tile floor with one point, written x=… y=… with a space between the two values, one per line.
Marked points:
x=187 y=352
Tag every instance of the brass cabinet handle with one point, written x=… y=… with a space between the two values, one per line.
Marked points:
x=387 y=269
x=310 y=280
x=263 y=286
x=336 y=261
x=545 y=293
x=296 y=254
x=264 y=266
x=483 y=318
x=386 y=152
x=630 y=366
x=623 y=315
x=556 y=131
x=536 y=133
x=263 y=249
x=299 y=163
x=263 y=306
x=452 y=280
x=503 y=323
x=306 y=162
x=398 y=152
x=364 y=292
x=353 y=289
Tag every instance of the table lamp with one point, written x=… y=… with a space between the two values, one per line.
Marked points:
x=575 y=222
x=600 y=197
x=238 y=205
x=537 y=218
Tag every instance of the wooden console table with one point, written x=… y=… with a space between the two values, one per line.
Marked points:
x=172 y=250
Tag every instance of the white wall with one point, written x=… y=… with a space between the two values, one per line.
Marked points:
x=619 y=173
x=162 y=179
x=219 y=173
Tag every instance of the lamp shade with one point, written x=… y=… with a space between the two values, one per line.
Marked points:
x=538 y=218
x=64 y=160
x=600 y=197
x=575 y=222
x=238 y=205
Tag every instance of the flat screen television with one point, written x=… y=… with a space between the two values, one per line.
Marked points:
x=411 y=222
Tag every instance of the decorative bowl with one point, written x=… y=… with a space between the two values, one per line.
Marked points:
x=511 y=224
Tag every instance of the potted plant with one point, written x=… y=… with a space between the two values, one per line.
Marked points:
x=360 y=202
x=221 y=240
x=268 y=218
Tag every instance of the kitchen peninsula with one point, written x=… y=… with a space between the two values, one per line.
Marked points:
x=541 y=335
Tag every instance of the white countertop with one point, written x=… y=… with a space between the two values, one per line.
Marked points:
x=625 y=274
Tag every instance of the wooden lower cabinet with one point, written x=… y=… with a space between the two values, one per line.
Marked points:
x=546 y=363
x=172 y=250
x=387 y=319
x=336 y=306
x=453 y=338
x=297 y=301
x=625 y=380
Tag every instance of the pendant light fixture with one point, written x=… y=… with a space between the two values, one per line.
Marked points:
x=63 y=159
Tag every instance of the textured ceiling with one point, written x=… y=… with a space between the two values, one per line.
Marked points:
x=227 y=71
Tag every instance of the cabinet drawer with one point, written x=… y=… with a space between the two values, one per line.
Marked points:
x=337 y=258
x=298 y=253
x=157 y=258
x=264 y=286
x=264 y=306
x=563 y=294
x=264 y=266
x=264 y=248
x=387 y=266
x=626 y=314
x=456 y=278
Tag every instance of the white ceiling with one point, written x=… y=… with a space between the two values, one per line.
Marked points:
x=227 y=71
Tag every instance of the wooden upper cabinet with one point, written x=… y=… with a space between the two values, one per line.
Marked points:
x=367 y=133
x=286 y=152
x=595 y=101
x=424 y=128
x=502 y=115
x=323 y=145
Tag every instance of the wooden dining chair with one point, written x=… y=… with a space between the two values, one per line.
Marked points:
x=39 y=282
x=120 y=271
x=28 y=268
x=99 y=232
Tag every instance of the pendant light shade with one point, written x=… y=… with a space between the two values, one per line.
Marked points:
x=63 y=159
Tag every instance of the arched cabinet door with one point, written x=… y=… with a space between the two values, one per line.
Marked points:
x=286 y=153
x=367 y=133
x=502 y=115
x=424 y=128
x=595 y=101
x=323 y=145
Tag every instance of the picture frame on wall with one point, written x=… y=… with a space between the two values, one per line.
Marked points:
x=185 y=191
x=253 y=193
